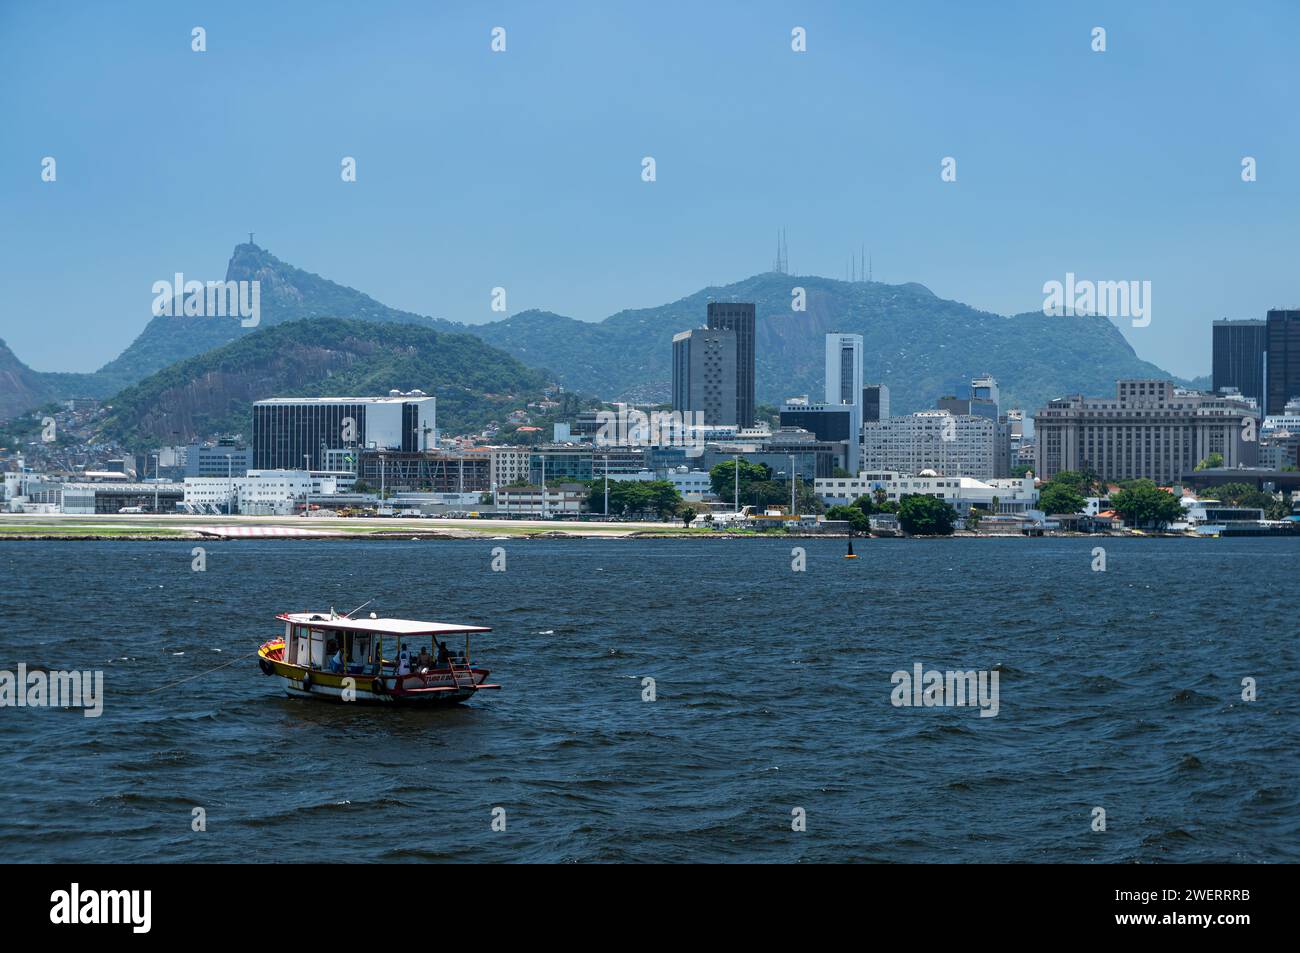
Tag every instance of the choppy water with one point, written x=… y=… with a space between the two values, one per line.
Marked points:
x=1119 y=689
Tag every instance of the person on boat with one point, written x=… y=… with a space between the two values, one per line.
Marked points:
x=425 y=660
x=336 y=660
x=443 y=654
x=404 y=660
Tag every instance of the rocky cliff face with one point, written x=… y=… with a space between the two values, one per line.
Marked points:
x=21 y=388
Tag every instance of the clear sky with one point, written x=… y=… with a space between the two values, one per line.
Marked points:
x=523 y=169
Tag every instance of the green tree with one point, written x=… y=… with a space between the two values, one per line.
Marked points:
x=1213 y=461
x=1143 y=504
x=857 y=520
x=722 y=478
x=1060 y=498
x=1230 y=493
x=865 y=504
x=922 y=515
x=1084 y=482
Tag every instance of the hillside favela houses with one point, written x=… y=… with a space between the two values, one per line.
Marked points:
x=843 y=459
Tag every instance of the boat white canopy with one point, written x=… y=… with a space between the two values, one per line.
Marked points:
x=324 y=620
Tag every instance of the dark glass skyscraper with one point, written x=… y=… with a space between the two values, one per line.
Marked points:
x=1282 y=341
x=1238 y=358
x=731 y=316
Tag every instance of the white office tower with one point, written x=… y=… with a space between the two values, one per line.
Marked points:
x=844 y=385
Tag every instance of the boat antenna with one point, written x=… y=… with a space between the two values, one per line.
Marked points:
x=359 y=608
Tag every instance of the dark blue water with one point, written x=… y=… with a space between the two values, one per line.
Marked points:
x=1119 y=689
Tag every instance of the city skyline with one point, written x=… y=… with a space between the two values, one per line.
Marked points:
x=396 y=96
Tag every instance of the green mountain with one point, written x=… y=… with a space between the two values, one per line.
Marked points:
x=921 y=345
x=287 y=294
x=318 y=357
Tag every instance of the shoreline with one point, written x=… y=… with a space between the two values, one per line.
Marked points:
x=187 y=528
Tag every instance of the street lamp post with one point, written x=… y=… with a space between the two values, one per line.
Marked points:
x=793 y=477
x=736 y=470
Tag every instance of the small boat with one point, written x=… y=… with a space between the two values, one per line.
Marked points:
x=850 y=554
x=340 y=659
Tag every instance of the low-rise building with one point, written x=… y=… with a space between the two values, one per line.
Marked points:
x=559 y=499
x=1006 y=496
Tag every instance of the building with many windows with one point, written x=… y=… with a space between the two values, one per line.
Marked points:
x=875 y=402
x=1237 y=358
x=1149 y=430
x=1003 y=496
x=297 y=432
x=738 y=318
x=950 y=444
x=1282 y=361
x=844 y=387
x=705 y=374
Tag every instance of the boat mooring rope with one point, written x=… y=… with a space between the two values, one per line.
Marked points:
x=191 y=678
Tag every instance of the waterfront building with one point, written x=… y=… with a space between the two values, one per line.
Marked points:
x=1016 y=496
x=258 y=492
x=290 y=432
x=91 y=498
x=1151 y=430
x=561 y=499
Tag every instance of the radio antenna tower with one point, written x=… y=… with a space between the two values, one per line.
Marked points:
x=782 y=264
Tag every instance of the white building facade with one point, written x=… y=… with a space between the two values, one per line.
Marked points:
x=950 y=444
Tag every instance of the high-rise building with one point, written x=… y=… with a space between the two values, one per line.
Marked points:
x=1150 y=430
x=294 y=433
x=1237 y=358
x=705 y=374
x=1282 y=365
x=733 y=316
x=843 y=368
x=844 y=386
x=875 y=402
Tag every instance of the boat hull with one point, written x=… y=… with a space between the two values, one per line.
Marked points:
x=434 y=687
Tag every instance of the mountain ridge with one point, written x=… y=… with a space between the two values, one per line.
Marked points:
x=921 y=345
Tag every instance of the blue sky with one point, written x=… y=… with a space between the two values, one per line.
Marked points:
x=522 y=169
